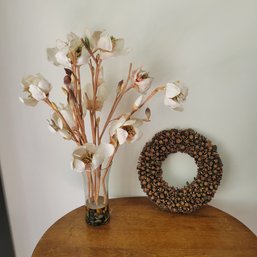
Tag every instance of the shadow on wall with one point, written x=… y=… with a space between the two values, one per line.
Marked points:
x=6 y=245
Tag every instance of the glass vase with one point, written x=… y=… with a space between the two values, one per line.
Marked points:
x=96 y=195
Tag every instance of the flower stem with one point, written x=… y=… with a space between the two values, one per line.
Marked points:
x=148 y=98
x=89 y=186
x=88 y=49
x=54 y=107
x=79 y=92
x=92 y=126
x=116 y=102
x=80 y=113
x=74 y=74
x=105 y=174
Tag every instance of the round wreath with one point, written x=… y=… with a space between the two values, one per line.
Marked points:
x=193 y=195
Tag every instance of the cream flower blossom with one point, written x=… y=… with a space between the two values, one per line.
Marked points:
x=56 y=123
x=126 y=130
x=110 y=46
x=36 y=88
x=90 y=156
x=175 y=95
x=91 y=38
x=61 y=55
x=141 y=80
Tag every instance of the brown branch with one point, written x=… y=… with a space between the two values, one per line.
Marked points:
x=80 y=124
x=117 y=101
x=88 y=49
x=54 y=107
x=149 y=97
x=92 y=126
x=79 y=93
x=81 y=119
x=109 y=163
x=74 y=74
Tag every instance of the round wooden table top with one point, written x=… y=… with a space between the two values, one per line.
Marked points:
x=140 y=229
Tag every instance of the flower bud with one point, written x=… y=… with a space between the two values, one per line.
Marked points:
x=137 y=103
x=67 y=80
x=141 y=80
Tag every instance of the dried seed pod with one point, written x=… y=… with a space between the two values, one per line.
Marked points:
x=193 y=195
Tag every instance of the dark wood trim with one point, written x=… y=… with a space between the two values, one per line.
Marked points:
x=6 y=244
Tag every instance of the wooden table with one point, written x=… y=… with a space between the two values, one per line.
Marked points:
x=139 y=229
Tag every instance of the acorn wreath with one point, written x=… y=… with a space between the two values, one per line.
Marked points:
x=193 y=195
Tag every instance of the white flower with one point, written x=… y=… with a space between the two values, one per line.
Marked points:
x=141 y=80
x=58 y=56
x=90 y=156
x=36 y=88
x=126 y=130
x=105 y=42
x=57 y=125
x=62 y=53
x=110 y=46
x=175 y=94
x=92 y=38
x=101 y=96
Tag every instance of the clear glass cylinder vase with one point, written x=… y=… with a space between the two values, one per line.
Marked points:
x=96 y=182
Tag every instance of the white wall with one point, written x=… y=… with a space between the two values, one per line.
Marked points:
x=211 y=45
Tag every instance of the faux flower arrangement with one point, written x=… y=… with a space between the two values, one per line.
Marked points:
x=92 y=156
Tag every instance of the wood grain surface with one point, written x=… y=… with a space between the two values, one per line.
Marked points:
x=139 y=229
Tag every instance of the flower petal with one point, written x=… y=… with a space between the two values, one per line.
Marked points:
x=65 y=134
x=179 y=108
x=129 y=122
x=62 y=59
x=138 y=123
x=119 y=45
x=72 y=36
x=105 y=55
x=122 y=135
x=92 y=148
x=105 y=42
x=51 y=52
x=62 y=45
x=173 y=104
x=52 y=128
x=28 y=80
x=45 y=86
x=78 y=165
x=184 y=91
x=83 y=59
x=144 y=85
x=135 y=74
x=105 y=150
x=37 y=93
x=97 y=161
x=93 y=37
x=79 y=151
x=116 y=124
x=137 y=102
x=28 y=101
x=172 y=90
x=66 y=113
x=137 y=136
x=96 y=35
